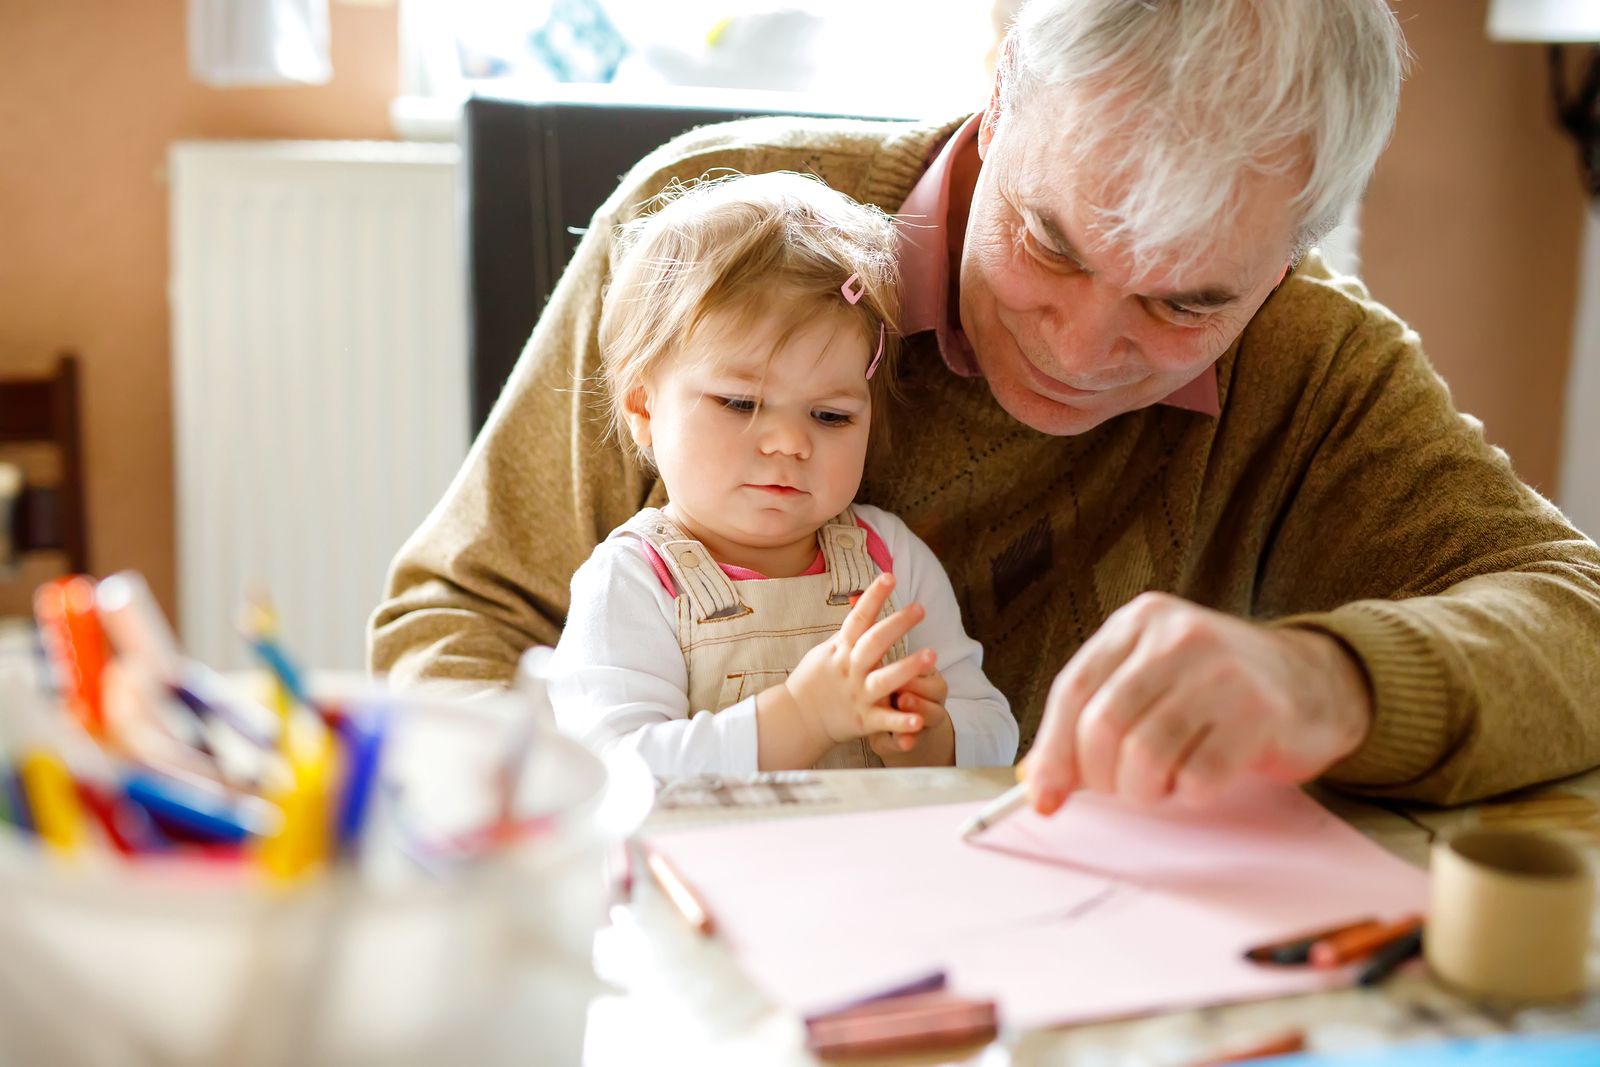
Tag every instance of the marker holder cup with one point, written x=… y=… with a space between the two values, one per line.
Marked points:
x=488 y=962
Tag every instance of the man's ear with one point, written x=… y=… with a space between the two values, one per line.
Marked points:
x=991 y=114
x=636 y=410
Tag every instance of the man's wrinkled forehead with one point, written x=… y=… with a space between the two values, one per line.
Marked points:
x=1068 y=197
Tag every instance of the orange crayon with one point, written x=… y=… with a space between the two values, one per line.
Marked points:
x=1344 y=948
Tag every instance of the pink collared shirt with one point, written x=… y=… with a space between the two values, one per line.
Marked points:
x=925 y=274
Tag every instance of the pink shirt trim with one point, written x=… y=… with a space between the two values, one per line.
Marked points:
x=875 y=549
x=925 y=274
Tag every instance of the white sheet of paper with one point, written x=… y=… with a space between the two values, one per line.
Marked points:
x=1102 y=911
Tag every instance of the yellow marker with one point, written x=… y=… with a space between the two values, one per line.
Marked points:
x=718 y=28
x=301 y=841
x=57 y=813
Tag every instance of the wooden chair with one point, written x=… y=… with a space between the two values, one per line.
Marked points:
x=46 y=411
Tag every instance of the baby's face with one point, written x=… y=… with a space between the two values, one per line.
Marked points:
x=757 y=452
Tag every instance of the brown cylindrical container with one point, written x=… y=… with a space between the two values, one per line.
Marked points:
x=1510 y=915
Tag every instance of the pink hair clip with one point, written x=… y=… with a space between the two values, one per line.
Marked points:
x=853 y=290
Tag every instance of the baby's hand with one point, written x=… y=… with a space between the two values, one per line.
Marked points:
x=841 y=687
x=932 y=746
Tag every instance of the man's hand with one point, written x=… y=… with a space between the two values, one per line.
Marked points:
x=932 y=746
x=1172 y=698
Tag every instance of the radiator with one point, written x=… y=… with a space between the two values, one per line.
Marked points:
x=319 y=379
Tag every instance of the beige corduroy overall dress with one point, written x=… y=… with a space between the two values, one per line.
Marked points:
x=739 y=638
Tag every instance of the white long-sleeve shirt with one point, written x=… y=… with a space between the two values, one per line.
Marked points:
x=618 y=677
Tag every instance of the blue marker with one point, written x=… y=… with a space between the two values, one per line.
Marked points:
x=191 y=809
x=363 y=738
x=16 y=800
x=282 y=669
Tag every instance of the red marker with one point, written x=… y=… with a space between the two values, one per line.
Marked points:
x=76 y=645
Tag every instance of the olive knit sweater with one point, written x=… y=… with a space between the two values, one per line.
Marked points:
x=1338 y=490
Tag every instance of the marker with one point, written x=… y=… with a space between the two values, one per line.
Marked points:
x=134 y=623
x=996 y=810
x=209 y=815
x=1352 y=945
x=53 y=800
x=301 y=841
x=364 y=745
x=678 y=892
x=75 y=646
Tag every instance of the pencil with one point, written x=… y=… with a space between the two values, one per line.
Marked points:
x=996 y=810
x=678 y=892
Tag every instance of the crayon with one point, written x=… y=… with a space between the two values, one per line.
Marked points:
x=902 y=1024
x=1283 y=1044
x=1297 y=949
x=1353 y=945
x=678 y=892
x=1387 y=959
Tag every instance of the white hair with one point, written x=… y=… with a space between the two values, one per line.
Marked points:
x=1174 y=102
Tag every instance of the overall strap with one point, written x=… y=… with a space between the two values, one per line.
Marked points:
x=710 y=591
x=844 y=550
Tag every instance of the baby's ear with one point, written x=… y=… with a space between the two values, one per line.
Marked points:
x=636 y=410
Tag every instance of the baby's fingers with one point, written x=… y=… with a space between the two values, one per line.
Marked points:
x=882 y=719
x=866 y=608
x=876 y=642
x=885 y=680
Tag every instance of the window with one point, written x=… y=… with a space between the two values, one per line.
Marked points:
x=886 y=57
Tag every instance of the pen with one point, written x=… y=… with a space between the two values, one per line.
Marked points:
x=996 y=810
x=679 y=893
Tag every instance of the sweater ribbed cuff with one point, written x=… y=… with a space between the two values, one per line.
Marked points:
x=1410 y=689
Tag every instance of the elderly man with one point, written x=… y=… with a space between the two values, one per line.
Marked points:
x=1205 y=504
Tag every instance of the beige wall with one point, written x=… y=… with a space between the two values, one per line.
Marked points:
x=1472 y=224
x=91 y=95
x=1471 y=227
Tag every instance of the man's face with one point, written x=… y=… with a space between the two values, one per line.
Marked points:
x=1066 y=331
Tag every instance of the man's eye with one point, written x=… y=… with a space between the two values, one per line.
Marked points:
x=1179 y=314
x=743 y=404
x=832 y=418
x=1044 y=251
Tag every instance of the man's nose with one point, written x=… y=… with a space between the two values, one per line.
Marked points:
x=1083 y=326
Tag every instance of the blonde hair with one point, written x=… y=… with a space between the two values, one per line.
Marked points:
x=744 y=246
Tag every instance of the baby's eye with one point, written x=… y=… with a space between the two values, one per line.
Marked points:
x=832 y=418
x=744 y=405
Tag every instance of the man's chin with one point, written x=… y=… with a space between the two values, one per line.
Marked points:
x=1046 y=414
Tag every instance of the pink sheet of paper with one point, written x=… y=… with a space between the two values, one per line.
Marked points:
x=1103 y=911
